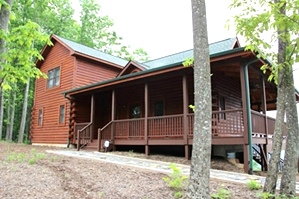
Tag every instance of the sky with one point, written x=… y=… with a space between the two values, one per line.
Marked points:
x=163 y=27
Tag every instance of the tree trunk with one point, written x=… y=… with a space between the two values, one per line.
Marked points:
x=288 y=180
x=8 y=112
x=271 y=179
x=1 y=111
x=199 y=181
x=12 y=116
x=24 y=113
x=4 y=19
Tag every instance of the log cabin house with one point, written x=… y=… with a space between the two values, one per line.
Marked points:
x=91 y=97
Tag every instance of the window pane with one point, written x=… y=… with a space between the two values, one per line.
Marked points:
x=50 y=83
x=56 y=81
x=40 y=117
x=61 y=114
x=159 y=108
x=135 y=112
x=50 y=74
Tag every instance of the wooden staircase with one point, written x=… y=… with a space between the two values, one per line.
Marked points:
x=91 y=146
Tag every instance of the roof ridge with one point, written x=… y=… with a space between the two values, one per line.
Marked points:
x=85 y=46
x=187 y=50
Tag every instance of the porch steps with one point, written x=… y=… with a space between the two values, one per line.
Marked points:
x=92 y=146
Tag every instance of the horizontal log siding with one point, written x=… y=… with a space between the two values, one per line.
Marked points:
x=229 y=88
x=127 y=97
x=170 y=91
x=83 y=109
x=49 y=100
x=88 y=72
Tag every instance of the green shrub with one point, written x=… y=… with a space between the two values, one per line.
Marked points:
x=222 y=193
x=176 y=181
x=254 y=185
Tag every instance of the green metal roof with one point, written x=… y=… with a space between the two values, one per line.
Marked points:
x=93 y=52
x=235 y=50
x=217 y=47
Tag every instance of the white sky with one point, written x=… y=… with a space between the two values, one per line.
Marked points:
x=163 y=27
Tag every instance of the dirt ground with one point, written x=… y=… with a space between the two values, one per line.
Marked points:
x=29 y=172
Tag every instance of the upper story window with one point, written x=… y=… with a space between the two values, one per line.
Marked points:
x=53 y=77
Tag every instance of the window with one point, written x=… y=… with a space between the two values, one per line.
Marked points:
x=135 y=111
x=61 y=114
x=40 y=117
x=159 y=108
x=53 y=77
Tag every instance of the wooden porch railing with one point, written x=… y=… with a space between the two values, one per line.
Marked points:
x=104 y=133
x=129 y=128
x=165 y=126
x=84 y=134
x=227 y=123
x=259 y=122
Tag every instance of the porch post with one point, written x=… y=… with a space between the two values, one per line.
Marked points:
x=92 y=107
x=248 y=111
x=264 y=109
x=112 y=117
x=146 y=118
x=185 y=116
x=264 y=105
x=245 y=144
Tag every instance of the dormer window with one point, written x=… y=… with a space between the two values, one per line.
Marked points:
x=53 y=77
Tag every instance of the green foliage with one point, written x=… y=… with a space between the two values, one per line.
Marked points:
x=266 y=195
x=188 y=62
x=222 y=193
x=31 y=158
x=18 y=64
x=259 y=21
x=254 y=185
x=192 y=107
x=176 y=181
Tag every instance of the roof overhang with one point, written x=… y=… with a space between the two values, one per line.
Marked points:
x=237 y=52
x=45 y=51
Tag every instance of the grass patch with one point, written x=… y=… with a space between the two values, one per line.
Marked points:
x=254 y=185
x=221 y=193
x=31 y=158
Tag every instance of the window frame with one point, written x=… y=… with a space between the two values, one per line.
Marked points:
x=55 y=78
x=40 y=117
x=61 y=116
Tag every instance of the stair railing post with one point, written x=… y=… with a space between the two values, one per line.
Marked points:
x=78 y=140
x=99 y=140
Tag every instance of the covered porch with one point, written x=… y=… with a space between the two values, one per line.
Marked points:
x=151 y=108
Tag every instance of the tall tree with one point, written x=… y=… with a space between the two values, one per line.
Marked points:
x=5 y=7
x=201 y=153
x=279 y=20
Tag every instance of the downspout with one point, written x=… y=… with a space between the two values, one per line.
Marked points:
x=249 y=120
x=68 y=137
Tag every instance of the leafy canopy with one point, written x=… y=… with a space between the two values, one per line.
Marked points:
x=18 y=61
x=258 y=21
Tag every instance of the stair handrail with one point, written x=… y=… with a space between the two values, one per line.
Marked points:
x=79 y=132
x=100 y=130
